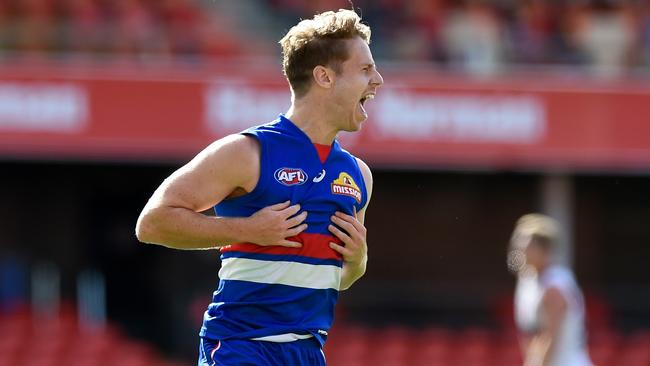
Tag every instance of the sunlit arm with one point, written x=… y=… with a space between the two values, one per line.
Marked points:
x=542 y=346
x=351 y=273
x=173 y=217
x=182 y=228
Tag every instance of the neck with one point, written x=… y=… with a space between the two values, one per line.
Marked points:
x=544 y=265
x=311 y=116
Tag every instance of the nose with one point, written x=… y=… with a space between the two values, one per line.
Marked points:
x=377 y=79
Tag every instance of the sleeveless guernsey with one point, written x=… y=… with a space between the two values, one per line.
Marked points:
x=276 y=293
x=571 y=348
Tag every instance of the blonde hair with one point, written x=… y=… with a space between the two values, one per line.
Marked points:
x=542 y=229
x=319 y=41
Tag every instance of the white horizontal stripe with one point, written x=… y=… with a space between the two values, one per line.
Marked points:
x=280 y=272
x=283 y=338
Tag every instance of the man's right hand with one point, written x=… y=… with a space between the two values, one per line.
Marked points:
x=272 y=225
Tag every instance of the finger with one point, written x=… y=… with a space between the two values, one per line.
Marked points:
x=344 y=224
x=351 y=219
x=280 y=206
x=340 y=234
x=291 y=210
x=340 y=249
x=296 y=220
x=344 y=216
x=295 y=231
x=352 y=231
x=289 y=243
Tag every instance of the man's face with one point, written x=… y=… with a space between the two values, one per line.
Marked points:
x=354 y=85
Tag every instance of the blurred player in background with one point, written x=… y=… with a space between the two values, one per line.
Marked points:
x=549 y=306
x=289 y=201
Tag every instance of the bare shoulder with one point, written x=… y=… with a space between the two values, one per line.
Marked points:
x=367 y=177
x=365 y=171
x=233 y=160
x=554 y=299
x=232 y=146
x=233 y=156
x=228 y=164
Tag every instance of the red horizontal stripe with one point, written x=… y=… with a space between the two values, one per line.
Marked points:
x=313 y=246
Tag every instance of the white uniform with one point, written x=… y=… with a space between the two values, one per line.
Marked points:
x=570 y=349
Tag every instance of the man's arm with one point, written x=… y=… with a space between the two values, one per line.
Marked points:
x=542 y=346
x=173 y=217
x=355 y=251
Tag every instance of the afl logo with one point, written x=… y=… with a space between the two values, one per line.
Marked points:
x=290 y=176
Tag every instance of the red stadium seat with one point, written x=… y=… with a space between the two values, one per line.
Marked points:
x=26 y=341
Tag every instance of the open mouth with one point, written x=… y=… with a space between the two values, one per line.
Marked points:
x=366 y=98
x=363 y=101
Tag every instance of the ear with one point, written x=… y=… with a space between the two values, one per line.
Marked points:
x=323 y=76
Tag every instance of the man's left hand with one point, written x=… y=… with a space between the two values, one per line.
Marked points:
x=353 y=235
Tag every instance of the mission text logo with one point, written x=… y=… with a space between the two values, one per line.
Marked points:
x=346 y=186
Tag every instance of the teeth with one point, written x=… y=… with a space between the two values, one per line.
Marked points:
x=367 y=97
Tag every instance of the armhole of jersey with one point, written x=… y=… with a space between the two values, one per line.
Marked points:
x=364 y=189
x=565 y=289
x=261 y=181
